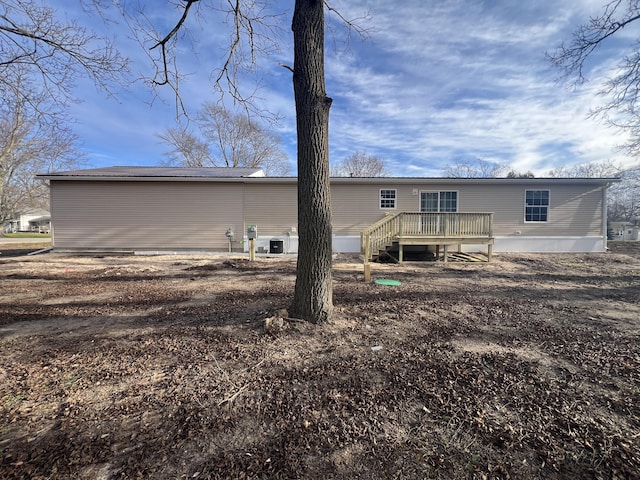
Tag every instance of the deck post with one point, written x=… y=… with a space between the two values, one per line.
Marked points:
x=489 y=251
x=446 y=251
x=400 y=249
x=367 y=271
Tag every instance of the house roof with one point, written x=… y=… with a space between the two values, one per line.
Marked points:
x=34 y=211
x=154 y=172
x=251 y=175
x=473 y=181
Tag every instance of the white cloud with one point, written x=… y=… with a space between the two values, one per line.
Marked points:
x=457 y=80
x=435 y=82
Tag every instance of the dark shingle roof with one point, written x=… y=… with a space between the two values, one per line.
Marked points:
x=158 y=172
x=224 y=174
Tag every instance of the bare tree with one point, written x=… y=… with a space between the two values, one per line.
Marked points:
x=603 y=169
x=58 y=52
x=33 y=139
x=623 y=199
x=252 y=36
x=187 y=148
x=53 y=53
x=360 y=164
x=313 y=294
x=622 y=89
x=226 y=139
x=516 y=174
x=254 y=33
x=240 y=141
x=41 y=57
x=474 y=168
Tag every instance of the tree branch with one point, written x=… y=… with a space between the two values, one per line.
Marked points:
x=288 y=67
x=351 y=24
x=163 y=43
x=33 y=39
x=622 y=90
x=571 y=57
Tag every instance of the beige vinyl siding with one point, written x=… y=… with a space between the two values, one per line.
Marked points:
x=355 y=207
x=144 y=215
x=272 y=207
x=173 y=215
x=574 y=210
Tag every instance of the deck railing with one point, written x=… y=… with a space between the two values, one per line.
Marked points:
x=427 y=225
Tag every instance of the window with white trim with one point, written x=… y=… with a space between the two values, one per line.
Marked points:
x=388 y=198
x=438 y=201
x=536 y=206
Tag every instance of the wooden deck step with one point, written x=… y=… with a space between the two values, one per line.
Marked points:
x=467 y=257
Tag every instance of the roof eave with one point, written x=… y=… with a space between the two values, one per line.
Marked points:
x=338 y=180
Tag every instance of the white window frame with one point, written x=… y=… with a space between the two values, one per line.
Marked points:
x=439 y=192
x=382 y=199
x=547 y=206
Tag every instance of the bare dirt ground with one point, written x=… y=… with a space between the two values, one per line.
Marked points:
x=161 y=367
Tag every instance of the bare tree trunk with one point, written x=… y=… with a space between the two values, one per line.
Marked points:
x=313 y=292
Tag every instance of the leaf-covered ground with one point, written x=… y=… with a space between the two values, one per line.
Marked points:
x=164 y=367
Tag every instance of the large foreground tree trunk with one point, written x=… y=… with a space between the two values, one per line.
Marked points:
x=313 y=292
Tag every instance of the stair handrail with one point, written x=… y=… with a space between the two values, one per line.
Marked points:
x=380 y=234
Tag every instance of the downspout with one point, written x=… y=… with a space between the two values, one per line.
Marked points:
x=52 y=230
x=604 y=215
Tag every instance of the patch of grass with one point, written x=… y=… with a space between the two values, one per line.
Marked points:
x=27 y=235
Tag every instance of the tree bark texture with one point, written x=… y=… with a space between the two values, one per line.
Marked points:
x=313 y=297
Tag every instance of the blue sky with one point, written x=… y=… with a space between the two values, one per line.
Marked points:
x=435 y=82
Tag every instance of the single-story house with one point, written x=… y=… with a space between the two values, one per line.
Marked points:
x=626 y=231
x=209 y=209
x=33 y=220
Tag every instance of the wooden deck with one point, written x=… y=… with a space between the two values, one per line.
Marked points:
x=443 y=230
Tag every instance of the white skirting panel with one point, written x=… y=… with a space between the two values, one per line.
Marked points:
x=290 y=244
x=263 y=244
x=520 y=244
x=346 y=244
x=549 y=244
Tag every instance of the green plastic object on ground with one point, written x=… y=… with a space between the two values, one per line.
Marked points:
x=387 y=281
